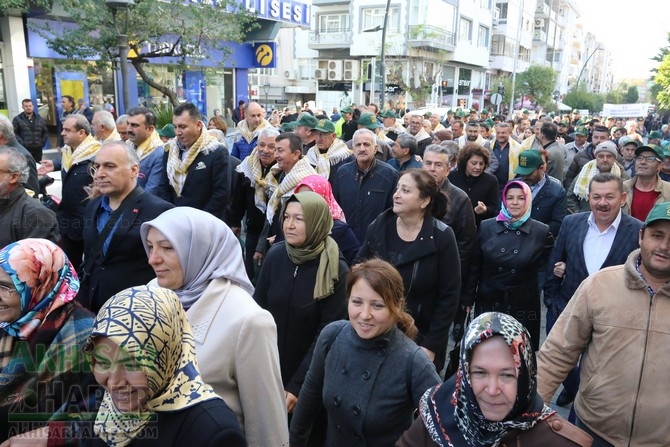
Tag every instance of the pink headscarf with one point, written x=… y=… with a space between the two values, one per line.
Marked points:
x=322 y=187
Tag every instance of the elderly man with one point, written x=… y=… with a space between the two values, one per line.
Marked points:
x=618 y=322
x=250 y=201
x=195 y=165
x=7 y=138
x=248 y=129
x=434 y=119
x=364 y=187
x=114 y=257
x=330 y=152
x=30 y=129
x=555 y=151
x=647 y=188
x=80 y=148
x=369 y=121
x=20 y=215
x=122 y=127
x=392 y=127
x=416 y=129
x=404 y=149
x=600 y=134
x=628 y=146
x=588 y=242
x=146 y=141
x=104 y=127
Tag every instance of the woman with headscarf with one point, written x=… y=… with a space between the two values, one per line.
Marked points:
x=341 y=232
x=302 y=285
x=142 y=353
x=198 y=257
x=503 y=275
x=42 y=371
x=492 y=400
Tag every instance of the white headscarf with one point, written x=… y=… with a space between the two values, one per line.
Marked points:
x=207 y=249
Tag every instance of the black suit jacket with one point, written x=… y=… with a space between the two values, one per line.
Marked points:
x=207 y=185
x=125 y=263
x=549 y=205
x=569 y=248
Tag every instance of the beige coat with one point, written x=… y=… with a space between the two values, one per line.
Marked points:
x=624 y=335
x=661 y=186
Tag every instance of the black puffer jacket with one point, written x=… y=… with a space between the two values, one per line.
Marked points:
x=31 y=134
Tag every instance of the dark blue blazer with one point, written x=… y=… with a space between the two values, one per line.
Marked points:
x=125 y=263
x=569 y=248
x=549 y=205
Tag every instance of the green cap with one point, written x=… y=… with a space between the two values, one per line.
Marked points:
x=490 y=122
x=529 y=161
x=581 y=130
x=347 y=110
x=427 y=113
x=666 y=152
x=651 y=148
x=610 y=118
x=484 y=112
x=655 y=135
x=325 y=126
x=166 y=131
x=368 y=121
x=459 y=114
x=306 y=120
x=564 y=124
x=388 y=114
x=626 y=139
x=450 y=111
x=659 y=212
x=288 y=127
x=551 y=114
x=525 y=112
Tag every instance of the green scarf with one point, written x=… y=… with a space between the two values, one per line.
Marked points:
x=318 y=223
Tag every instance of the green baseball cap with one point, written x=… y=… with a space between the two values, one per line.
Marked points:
x=626 y=139
x=287 y=127
x=459 y=114
x=166 y=131
x=529 y=161
x=427 y=114
x=525 y=112
x=347 y=110
x=368 y=121
x=484 y=112
x=564 y=124
x=306 y=120
x=581 y=130
x=490 y=122
x=388 y=114
x=325 y=126
x=658 y=212
x=655 y=135
x=651 y=148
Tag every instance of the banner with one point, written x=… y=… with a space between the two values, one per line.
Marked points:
x=625 y=110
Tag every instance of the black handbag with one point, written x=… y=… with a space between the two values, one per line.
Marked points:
x=455 y=354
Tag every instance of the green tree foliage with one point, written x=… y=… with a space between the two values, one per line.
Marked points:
x=662 y=81
x=631 y=95
x=540 y=84
x=184 y=31
x=581 y=99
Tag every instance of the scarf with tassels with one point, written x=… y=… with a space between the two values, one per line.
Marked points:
x=337 y=152
x=278 y=190
x=252 y=169
x=248 y=134
x=584 y=177
x=148 y=145
x=85 y=151
x=178 y=168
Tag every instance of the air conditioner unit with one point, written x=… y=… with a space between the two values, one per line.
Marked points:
x=539 y=23
x=335 y=70
x=352 y=70
x=321 y=74
x=290 y=75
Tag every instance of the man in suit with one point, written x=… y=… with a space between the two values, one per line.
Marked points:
x=586 y=243
x=197 y=172
x=121 y=261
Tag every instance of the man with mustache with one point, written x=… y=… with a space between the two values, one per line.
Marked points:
x=617 y=321
x=647 y=188
x=586 y=243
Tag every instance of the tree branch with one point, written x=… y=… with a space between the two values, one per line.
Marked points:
x=172 y=96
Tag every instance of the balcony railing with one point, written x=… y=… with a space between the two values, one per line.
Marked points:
x=432 y=37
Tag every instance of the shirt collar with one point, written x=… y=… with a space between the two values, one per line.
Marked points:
x=615 y=224
x=104 y=204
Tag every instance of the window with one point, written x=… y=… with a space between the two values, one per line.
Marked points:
x=465 y=29
x=524 y=54
x=501 y=46
x=483 y=37
x=373 y=17
x=333 y=23
x=486 y=4
x=503 y=12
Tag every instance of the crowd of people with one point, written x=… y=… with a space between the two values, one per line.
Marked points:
x=298 y=283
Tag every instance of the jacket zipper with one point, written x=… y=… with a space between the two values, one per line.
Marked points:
x=295 y=273
x=644 y=356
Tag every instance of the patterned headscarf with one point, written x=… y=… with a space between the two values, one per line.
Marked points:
x=150 y=325
x=322 y=187
x=44 y=279
x=450 y=411
x=206 y=247
x=505 y=216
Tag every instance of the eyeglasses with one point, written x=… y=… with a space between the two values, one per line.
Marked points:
x=649 y=158
x=6 y=291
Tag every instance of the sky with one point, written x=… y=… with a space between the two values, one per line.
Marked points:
x=634 y=30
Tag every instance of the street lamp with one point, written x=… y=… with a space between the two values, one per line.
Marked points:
x=584 y=66
x=382 y=64
x=266 y=90
x=122 y=5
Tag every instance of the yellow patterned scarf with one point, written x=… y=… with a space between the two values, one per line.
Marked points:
x=278 y=190
x=148 y=145
x=252 y=169
x=112 y=136
x=337 y=152
x=150 y=326
x=248 y=134
x=584 y=177
x=85 y=151
x=178 y=168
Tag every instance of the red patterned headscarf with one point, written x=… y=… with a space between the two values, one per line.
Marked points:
x=322 y=187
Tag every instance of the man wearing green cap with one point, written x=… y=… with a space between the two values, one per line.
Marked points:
x=369 y=121
x=647 y=188
x=349 y=126
x=330 y=152
x=654 y=137
x=618 y=322
x=576 y=146
x=392 y=127
x=628 y=145
x=303 y=129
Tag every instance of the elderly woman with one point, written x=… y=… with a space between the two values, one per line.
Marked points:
x=375 y=345
x=413 y=239
x=198 y=257
x=154 y=394
x=471 y=177
x=302 y=285
x=42 y=371
x=503 y=273
x=493 y=399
